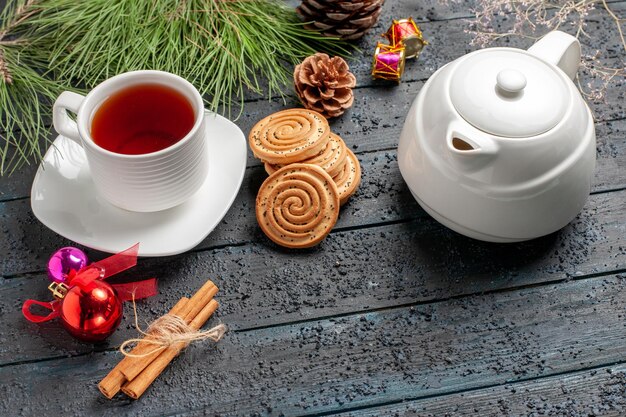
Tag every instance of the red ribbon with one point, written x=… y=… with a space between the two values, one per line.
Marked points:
x=53 y=306
x=99 y=270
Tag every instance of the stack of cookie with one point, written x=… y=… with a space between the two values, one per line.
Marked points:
x=312 y=172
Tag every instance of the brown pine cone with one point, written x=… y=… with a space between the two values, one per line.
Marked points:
x=346 y=19
x=325 y=84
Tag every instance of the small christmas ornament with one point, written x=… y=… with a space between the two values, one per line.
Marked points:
x=89 y=308
x=325 y=84
x=65 y=260
x=340 y=18
x=90 y=311
x=405 y=32
x=388 y=62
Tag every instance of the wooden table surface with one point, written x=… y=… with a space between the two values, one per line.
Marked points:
x=391 y=314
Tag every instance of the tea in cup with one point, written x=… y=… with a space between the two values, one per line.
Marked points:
x=143 y=133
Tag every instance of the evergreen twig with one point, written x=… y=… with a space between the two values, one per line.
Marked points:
x=225 y=48
x=25 y=95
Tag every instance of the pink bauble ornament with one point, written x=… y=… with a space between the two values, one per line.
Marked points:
x=63 y=261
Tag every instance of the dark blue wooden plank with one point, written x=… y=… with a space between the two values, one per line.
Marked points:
x=382 y=198
x=600 y=391
x=357 y=361
x=351 y=271
x=442 y=341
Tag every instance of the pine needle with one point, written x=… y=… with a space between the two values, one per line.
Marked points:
x=26 y=96
x=228 y=49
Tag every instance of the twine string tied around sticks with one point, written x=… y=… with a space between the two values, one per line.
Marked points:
x=169 y=330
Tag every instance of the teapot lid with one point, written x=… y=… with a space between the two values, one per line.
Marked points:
x=509 y=92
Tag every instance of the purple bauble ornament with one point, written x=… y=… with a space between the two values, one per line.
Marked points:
x=63 y=261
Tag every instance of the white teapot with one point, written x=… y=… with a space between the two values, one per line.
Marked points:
x=499 y=145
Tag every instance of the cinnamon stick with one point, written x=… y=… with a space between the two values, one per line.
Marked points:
x=198 y=301
x=111 y=384
x=195 y=304
x=137 y=386
x=189 y=312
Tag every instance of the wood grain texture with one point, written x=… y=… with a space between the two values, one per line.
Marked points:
x=391 y=315
x=598 y=392
x=359 y=360
x=374 y=124
x=351 y=271
x=382 y=198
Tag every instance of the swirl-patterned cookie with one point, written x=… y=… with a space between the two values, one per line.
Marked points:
x=289 y=136
x=298 y=205
x=349 y=178
x=270 y=169
x=331 y=159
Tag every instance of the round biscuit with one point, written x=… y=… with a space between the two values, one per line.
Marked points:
x=289 y=136
x=349 y=178
x=297 y=206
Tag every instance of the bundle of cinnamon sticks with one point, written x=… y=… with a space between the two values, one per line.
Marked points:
x=134 y=374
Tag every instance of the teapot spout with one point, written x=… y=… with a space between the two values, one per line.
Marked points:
x=470 y=150
x=560 y=49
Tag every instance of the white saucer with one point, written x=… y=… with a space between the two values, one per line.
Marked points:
x=64 y=199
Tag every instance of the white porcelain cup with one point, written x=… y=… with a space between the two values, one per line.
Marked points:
x=146 y=182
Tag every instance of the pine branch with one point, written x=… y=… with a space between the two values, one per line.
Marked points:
x=4 y=70
x=25 y=95
x=224 y=48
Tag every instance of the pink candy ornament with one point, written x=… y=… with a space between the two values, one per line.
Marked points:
x=63 y=261
x=388 y=62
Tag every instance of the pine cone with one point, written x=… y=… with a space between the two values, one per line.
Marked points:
x=341 y=18
x=325 y=84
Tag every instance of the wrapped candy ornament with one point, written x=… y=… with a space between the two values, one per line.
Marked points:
x=388 y=62
x=87 y=306
x=406 y=33
x=406 y=41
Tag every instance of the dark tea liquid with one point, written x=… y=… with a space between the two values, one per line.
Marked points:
x=141 y=119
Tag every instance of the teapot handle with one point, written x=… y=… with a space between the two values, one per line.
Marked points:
x=560 y=49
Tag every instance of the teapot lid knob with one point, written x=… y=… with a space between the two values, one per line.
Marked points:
x=511 y=80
